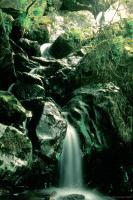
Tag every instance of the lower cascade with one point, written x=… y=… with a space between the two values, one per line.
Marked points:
x=70 y=164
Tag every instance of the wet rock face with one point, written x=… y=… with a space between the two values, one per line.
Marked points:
x=61 y=84
x=51 y=129
x=96 y=112
x=29 y=91
x=23 y=63
x=92 y=112
x=32 y=48
x=15 y=154
x=11 y=110
x=72 y=197
x=29 y=78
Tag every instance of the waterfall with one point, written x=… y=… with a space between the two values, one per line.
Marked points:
x=70 y=163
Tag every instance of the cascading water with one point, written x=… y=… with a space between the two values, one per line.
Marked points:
x=70 y=164
x=71 y=181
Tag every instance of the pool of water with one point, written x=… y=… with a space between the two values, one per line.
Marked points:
x=54 y=194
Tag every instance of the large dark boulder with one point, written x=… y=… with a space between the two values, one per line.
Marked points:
x=61 y=84
x=29 y=78
x=11 y=110
x=66 y=43
x=28 y=91
x=15 y=155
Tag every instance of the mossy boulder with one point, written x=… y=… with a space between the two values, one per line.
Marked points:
x=11 y=110
x=15 y=154
x=66 y=43
x=39 y=33
x=7 y=75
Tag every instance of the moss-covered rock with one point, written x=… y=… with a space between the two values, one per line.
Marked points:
x=66 y=44
x=11 y=110
x=15 y=154
x=38 y=33
x=7 y=75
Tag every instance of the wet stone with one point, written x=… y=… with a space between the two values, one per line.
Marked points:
x=72 y=197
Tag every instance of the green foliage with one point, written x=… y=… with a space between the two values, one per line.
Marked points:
x=74 y=36
x=7 y=20
x=129 y=28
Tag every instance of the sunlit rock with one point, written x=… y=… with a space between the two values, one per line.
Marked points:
x=83 y=21
x=51 y=129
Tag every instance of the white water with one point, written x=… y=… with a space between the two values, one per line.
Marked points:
x=70 y=165
x=88 y=194
x=71 y=181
